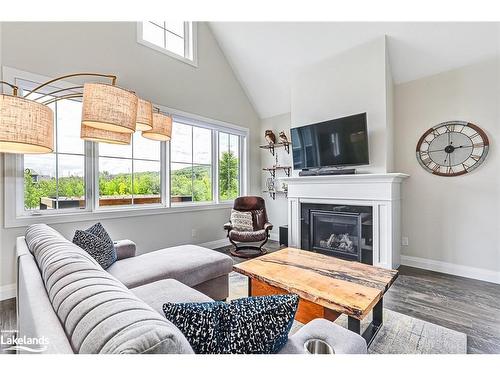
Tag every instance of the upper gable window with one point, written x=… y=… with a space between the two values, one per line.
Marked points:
x=174 y=38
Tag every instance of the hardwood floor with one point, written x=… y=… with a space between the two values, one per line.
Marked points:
x=461 y=304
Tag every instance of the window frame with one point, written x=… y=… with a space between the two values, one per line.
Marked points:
x=190 y=43
x=95 y=181
x=16 y=216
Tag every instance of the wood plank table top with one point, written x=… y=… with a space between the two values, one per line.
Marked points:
x=351 y=288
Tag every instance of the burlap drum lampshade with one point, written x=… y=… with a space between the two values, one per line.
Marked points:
x=26 y=126
x=109 y=107
x=162 y=128
x=144 y=120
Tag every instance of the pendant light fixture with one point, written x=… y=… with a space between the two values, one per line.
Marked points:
x=110 y=114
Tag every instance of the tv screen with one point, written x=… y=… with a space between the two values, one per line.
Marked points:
x=334 y=143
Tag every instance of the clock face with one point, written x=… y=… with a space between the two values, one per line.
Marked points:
x=452 y=148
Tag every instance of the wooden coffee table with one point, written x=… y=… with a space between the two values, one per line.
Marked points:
x=327 y=286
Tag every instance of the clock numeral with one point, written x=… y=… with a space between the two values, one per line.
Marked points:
x=450 y=128
x=436 y=168
x=427 y=161
x=449 y=170
x=475 y=157
x=476 y=145
x=474 y=135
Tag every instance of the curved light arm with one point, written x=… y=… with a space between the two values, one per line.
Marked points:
x=13 y=87
x=67 y=96
x=110 y=76
x=61 y=90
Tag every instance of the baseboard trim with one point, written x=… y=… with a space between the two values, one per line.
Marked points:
x=215 y=244
x=274 y=236
x=451 y=268
x=7 y=291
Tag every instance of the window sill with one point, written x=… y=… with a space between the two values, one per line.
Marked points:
x=102 y=214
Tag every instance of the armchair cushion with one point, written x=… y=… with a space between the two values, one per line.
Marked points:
x=244 y=236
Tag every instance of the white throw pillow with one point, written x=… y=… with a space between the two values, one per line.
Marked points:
x=241 y=220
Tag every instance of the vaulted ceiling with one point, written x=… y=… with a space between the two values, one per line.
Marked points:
x=265 y=55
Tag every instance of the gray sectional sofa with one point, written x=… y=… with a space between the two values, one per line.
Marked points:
x=66 y=297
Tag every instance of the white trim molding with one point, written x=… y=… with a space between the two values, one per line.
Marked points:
x=7 y=291
x=451 y=268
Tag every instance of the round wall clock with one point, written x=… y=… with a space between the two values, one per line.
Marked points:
x=452 y=148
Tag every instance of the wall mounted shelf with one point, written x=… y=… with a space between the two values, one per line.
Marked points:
x=272 y=146
x=272 y=193
x=272 y=170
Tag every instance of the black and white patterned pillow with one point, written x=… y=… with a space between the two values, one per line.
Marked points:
x=254 y=325
x=241 y=220
x=97 y=243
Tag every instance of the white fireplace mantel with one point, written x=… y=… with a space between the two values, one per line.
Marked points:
x=380 y=191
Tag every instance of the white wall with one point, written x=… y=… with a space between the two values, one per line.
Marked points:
x=456 y=219
x=276 y=209
x=349 y=83
x=210 y=90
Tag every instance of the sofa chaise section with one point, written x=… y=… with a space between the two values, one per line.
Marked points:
x=194 y=266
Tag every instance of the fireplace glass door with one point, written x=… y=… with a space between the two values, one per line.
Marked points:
x=337 y=233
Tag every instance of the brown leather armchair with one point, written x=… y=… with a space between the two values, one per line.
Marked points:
x=261 y=228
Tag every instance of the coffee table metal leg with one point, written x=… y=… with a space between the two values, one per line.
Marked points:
x=371 y=331
x=354 y=325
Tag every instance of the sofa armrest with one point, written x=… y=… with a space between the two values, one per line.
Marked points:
x=124 y=249
x=341 y=340
x=228 y=226
x=268 y=226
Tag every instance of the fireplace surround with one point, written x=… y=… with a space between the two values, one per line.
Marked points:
x=378 y=193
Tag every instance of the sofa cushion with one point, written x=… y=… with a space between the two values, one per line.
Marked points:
x=170 y=290
x=189 y=264
x=96 y=241
x=254 y=325
x=97 y=312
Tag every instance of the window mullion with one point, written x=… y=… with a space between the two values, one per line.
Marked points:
x=187 y=38
x=215 y=166
x=165 y=173
x=89 y=175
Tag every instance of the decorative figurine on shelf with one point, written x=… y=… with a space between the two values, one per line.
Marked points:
x=284 y=186
x=270 y=137
x=270 y=184
x=283 y=137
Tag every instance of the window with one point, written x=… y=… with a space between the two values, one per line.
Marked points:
x=130 y=175
x=190 y=164
x=201 y=166
x=175 y=38
x=57 y=181
x=229 y=166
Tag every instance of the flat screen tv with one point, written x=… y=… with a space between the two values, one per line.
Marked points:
x=334 y=143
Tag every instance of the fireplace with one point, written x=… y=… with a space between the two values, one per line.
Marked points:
x=344 y=231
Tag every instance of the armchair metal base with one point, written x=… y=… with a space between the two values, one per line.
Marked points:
x=240 y=251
